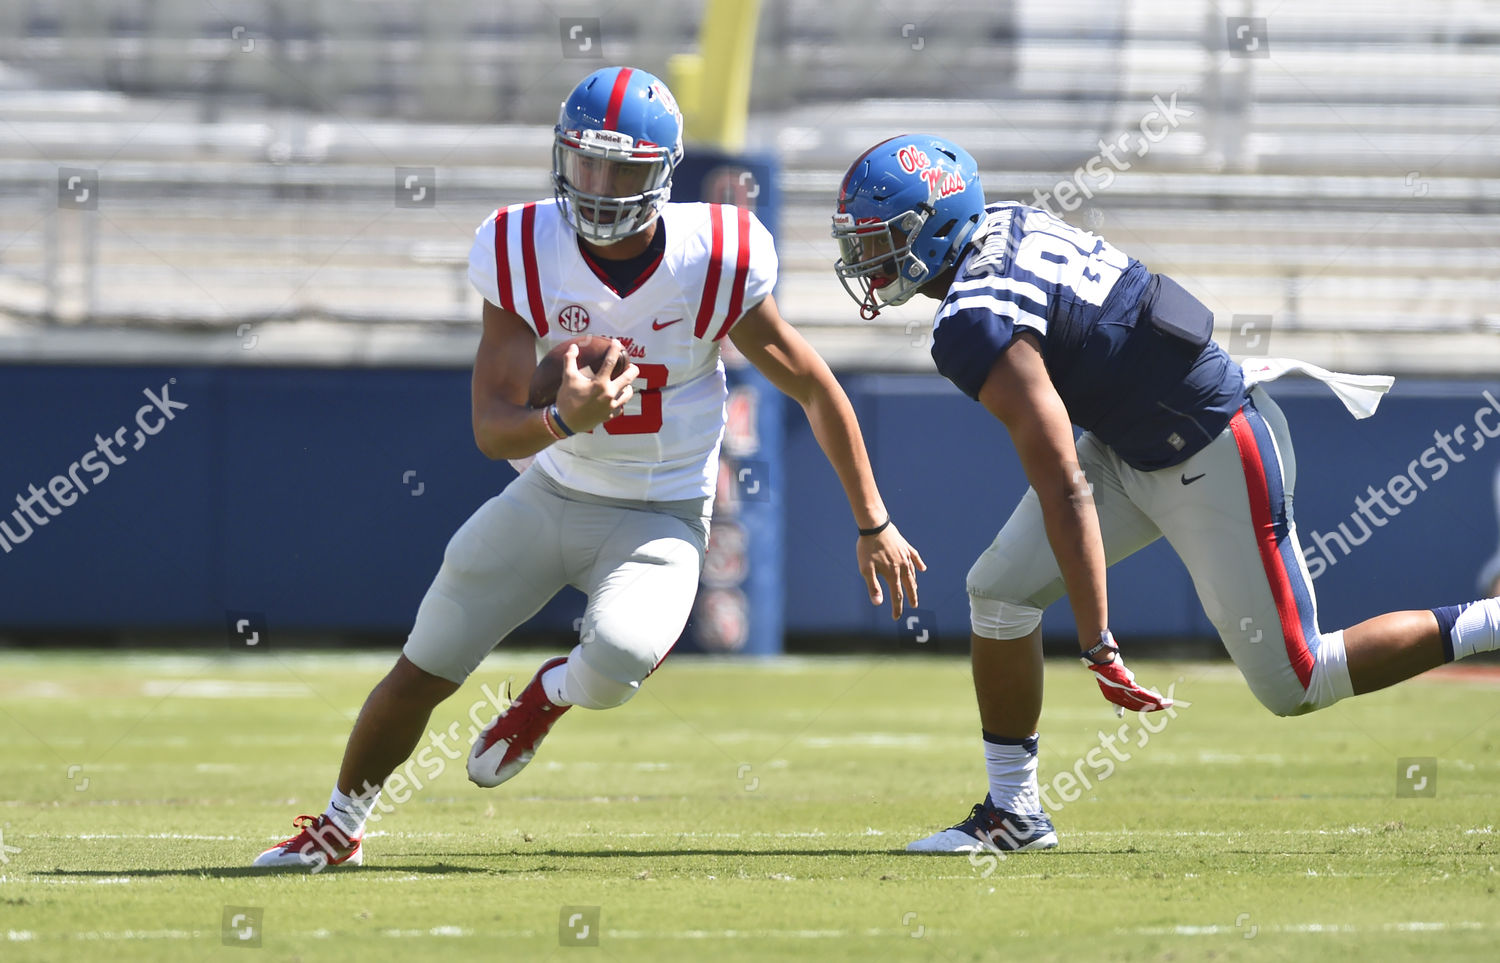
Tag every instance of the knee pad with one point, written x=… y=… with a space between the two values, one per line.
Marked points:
x=994 y=619
x=1328 y=684
x=586 y=686
x=1330 y=676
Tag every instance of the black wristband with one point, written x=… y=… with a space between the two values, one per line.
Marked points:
x=1106 y=644
x=877 y=529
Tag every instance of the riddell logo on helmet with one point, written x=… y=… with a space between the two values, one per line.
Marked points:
x=605 y=138
x=573 y=319
x=940 y=183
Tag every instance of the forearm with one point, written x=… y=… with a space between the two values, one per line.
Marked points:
x=1073 y=533
x=837 y=432
x=506 y=431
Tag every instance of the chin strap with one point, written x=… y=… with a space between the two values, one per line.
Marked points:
x=869 y=308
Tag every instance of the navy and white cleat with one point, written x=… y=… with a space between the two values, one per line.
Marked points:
x=991 y=829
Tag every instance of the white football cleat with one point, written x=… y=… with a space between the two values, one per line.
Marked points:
x=319 y=844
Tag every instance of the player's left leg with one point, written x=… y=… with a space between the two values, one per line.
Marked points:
x=1234 y=531
x=1396 y=646
x=640 y=570
x=1393 y=647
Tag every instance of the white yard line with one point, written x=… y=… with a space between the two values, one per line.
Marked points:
x=1295 y=929
x=1305 y=929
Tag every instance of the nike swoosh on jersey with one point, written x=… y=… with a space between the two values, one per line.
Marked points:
x=1188 y=481
x=658 y=325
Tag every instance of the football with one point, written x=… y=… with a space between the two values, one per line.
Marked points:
x=548 y=376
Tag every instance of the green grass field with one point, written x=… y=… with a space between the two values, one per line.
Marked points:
x=738 y=811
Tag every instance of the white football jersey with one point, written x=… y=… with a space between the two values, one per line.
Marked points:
x=719 y=261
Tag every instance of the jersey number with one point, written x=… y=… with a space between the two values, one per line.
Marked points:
x=1074 y=259
x=647 y=420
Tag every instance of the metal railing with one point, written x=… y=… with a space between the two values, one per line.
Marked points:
x=242 y=162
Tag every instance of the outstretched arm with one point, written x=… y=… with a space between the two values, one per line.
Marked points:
x=790 y=363
x=1019 y=392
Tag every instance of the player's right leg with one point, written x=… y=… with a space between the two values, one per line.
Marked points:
x=1009 y=586
x=499 y=568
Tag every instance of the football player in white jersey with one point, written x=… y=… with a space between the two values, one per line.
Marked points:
x=617 y=499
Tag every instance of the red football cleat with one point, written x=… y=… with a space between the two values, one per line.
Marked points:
x=319 y=844
x=507 y=744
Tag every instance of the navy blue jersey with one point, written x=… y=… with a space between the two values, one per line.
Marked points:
x=1128 y=351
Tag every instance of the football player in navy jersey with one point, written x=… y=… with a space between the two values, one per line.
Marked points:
x=1049 y=327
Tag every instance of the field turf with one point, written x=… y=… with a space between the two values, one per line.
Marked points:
x=739 y=811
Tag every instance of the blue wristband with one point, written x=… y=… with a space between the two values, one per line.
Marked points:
x=562 y=426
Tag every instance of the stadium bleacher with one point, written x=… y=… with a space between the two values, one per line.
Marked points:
x=1345 y=188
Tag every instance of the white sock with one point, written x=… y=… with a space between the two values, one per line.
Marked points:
x=1470 y=629
x=554 y=681
x=1011 y=764
x=350 y=813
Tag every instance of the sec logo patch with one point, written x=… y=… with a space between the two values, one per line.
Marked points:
x=573 y=319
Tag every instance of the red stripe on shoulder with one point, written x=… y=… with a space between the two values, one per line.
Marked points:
x=1277 y=577
x=502 y=259
x=715 y=268
x=617 y=98
x=533 y=278
x=741 y=273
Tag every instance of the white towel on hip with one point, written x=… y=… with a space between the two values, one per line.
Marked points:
x=1361 y=394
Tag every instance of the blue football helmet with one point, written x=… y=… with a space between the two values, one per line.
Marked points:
x=907 y=208
x=617 y=140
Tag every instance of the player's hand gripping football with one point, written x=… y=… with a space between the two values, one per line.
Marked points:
x=586 y=399
x=888 y=556
x=1117 y=682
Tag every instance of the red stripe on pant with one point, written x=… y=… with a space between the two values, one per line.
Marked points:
x=1277 y=576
